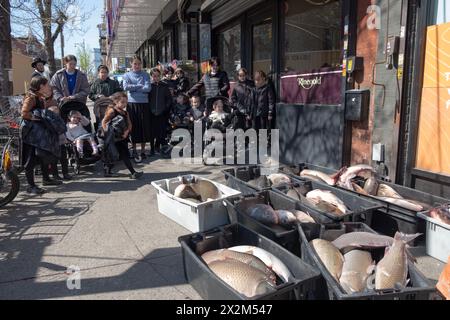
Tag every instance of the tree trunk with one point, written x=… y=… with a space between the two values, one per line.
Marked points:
x=5 y=49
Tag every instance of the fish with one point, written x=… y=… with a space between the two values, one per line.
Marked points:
x=407 y=204
x=330 y=256
x=358 y=265
x=278 y=179
x=274 y=263
x=264 y=214
x=255 y=262
x=386 y=191
x=185 y=191
x=206 y=189
x=245 y=279
x=392 y=270
x=261 y=182
x=286 y=218
x=364 y=171
x=371 y=186
x=327 y=201
x=362 y=240
x=442 y=214
x=303 y=217
x=358 y=189
x=317 y=175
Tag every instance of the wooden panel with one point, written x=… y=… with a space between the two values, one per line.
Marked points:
x=433 y=147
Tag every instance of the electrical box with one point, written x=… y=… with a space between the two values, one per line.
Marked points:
x=357 y=104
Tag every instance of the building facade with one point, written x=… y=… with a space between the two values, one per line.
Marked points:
x=353 y=78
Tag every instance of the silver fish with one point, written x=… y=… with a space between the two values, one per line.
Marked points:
x=286 y=218
x=278 y=179
x=371 y=186
x=270 y=260
x=441 y=214
x=392 y=270
x=407 y=204
x=264 y=214
x=386 y=191
x=362 y=240
x=245 y=279
x=261 y=182
x=330 y=256
x=207 y=190
x=356 y=270
x=364 y=171
x=224 y=254
x=322 y=197
x=303 y=217
x=317 y=175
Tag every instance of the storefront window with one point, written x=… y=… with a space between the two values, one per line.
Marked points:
x=230 y=50
x=182 y=42
x=312 y=60
x=262 y=47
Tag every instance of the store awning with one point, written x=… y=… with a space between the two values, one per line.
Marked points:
x=135 y=18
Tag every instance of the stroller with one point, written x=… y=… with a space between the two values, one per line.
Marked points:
x=227 y=123
x=75 y=160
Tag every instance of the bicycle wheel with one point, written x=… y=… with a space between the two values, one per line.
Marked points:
x=9 y=187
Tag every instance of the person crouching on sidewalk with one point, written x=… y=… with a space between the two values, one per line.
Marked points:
x=116 y=112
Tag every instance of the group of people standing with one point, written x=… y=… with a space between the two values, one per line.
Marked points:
x=146 y=101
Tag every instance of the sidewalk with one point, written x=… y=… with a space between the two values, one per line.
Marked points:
x=111 y=230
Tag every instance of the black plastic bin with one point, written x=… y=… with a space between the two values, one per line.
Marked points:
x=284 y=236
x=419 y=287
x=211 y=287
x=238 y=178
x=390 y=218
x=361 y=209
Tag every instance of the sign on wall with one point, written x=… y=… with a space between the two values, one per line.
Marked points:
x=433 y=149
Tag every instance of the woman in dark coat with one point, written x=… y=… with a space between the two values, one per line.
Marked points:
x=242 y=101
x=263 y=102
x=161 y=101
x=215 y=82
x=39 y=92
x=137 y=83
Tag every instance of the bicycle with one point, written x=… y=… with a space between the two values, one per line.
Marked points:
x=10 y=136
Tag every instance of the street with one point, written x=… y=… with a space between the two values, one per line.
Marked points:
x=111 y=230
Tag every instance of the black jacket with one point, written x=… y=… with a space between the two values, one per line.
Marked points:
x=160 y=99
x=215 y=85
x=182 y=85
x=242 y=97
x=44 y=134
x=106 y=88
x=263 y=101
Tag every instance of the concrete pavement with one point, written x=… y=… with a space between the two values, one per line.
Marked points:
x=111 y=230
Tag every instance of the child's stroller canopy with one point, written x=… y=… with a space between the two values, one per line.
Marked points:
x=73 y=105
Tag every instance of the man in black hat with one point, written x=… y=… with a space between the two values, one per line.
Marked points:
x=38 y=66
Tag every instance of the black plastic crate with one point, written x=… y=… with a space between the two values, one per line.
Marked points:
x=284 y=236
x=361 y=209
x=238 y=178
x=328 y=288
x=211 y=287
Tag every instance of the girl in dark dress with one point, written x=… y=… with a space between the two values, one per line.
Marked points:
x=263 y=102
x=242 y=101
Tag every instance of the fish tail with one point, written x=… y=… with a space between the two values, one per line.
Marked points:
x=406 y=237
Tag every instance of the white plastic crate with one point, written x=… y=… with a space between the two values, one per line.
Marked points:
x=438 y=238
x=192 y=216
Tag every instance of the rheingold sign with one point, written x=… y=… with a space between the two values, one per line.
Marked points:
x=307 y=84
